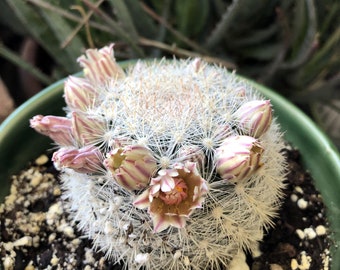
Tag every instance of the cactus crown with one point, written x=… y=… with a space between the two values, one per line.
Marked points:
x=169 y=164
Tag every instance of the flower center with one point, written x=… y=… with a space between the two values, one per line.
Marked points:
x=177 y=194
x=117 y=159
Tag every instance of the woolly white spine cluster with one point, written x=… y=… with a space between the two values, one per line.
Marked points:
x=199 y=198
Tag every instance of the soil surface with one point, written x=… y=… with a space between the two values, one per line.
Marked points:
x=37 y=234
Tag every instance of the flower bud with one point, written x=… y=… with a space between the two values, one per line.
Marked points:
x=197 y=64
x=238 y=157
x=79 y=94
x=254 y=117
x=192 y=153
x=100 y=65
x=87 y=130
x=59 y=129
x=83 y=160
x=132 y=166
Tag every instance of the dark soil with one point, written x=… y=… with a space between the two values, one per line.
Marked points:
x=36 y=232
x=299 y=232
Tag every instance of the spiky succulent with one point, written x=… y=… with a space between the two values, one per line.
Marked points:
x=168 y=164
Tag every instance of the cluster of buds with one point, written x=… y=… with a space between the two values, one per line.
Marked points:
x=161 y=155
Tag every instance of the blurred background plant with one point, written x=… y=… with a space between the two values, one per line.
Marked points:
x=291 y=46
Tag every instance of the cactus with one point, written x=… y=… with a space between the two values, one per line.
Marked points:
x=168 y=164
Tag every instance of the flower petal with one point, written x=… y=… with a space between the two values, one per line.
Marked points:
x=142 y=201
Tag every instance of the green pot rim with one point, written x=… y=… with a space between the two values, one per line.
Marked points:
x=319 y=154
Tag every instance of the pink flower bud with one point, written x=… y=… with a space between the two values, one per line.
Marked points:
x=238 y=157
x=197 y=65
x=79 y=94
x=255 y=117
x=173 y=195
x=132 y=166
x=59 y=129
x=87 y=130
x=100 y=65
x=83 y=160
x=192 y=153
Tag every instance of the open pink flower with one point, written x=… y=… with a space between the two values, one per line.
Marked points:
x=100 y=65
x=238 y=157
x=59 y=129
x=83 y=160
x=173 y=196
x=132 y=166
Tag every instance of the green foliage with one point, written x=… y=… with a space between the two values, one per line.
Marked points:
x=289 y=45
x=49 y=30
x=191 y=16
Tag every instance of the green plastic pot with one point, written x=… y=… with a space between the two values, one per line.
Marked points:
x=19 y=144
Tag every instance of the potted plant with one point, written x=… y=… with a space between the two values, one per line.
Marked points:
x=202 y=166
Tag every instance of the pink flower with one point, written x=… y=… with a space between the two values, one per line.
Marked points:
x=83 y=160
x=132 y=166
x=173 y=196
x=59 y=129
x=255 y=117
x=85 y=129
x=100 y=65
x=79 y=93
x=238 y=157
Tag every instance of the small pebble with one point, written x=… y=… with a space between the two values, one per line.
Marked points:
x=325 y=259
x=298 y=189
x=54 y=260
x=302 y=203
x=310 y=233
x=30 y=266
x=305 y=261
x=275 y=266
x=89 y=256
x=56 y=191
x=52 y=237
x=294 y=197
x=8 y=263
x=294 y=264
x=23 y=241
x=69 y=231
x=36 y=241
x=53 y=213
x=76 y=242
x=320 y=230
x=300 y=234
x=43 y=159
x=8 y=246
x=36 y=180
